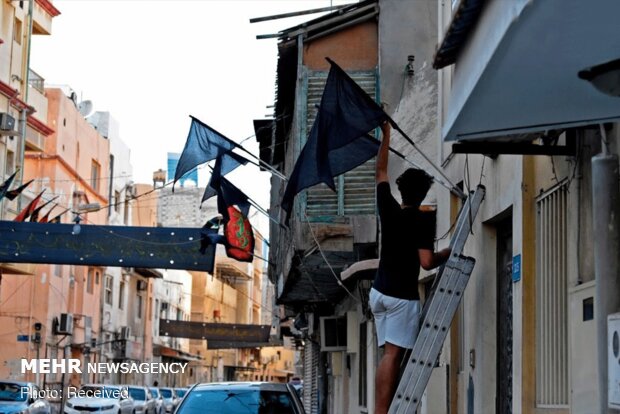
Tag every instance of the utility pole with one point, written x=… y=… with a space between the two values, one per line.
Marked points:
x=606 y=219
x=24 y=112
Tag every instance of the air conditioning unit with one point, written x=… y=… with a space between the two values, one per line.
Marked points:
x=142 y=285
x=65 y=324
x=124 y=333
x=7 y=122
x=613 y=360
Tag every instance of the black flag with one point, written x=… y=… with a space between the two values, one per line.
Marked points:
x=346 y=114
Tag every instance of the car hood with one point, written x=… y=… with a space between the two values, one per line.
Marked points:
x=11 y=406
x=92 y=402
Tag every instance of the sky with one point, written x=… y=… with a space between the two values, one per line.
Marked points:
x=152 y=63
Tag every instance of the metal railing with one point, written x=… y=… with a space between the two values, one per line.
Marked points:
x=36 y=81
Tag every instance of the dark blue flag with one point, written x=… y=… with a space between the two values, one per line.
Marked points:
x=203 y=145
x=229 y=195
x=224 y=164
x=346 y=113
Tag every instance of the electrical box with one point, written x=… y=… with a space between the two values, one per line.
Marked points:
x=613 y=358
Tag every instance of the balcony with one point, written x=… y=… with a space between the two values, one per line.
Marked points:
x=43 y=12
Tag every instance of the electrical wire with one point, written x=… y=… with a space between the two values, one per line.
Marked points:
x=318 y=245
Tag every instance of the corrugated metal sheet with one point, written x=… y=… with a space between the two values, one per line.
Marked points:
x=311 y=378
x=358 y=196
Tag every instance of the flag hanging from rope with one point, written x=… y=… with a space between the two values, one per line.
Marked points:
x=239 y=236
x=29 y=209
x=346 y=113
x=203 y=145
x=58 y=218
x=11 y=195
x=34 y=217
x=4 y=188
x=46 y=217
x=224 y=164
x=234 y=206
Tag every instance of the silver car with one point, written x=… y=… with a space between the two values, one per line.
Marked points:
x=159 y=401
x=99 y=398
x=17 y=397
x=169 y=398
x=143 y=401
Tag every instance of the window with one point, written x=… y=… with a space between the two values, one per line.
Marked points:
x=97 y=277
x=126 y=211
x=89 y=281
x=17 y=31
x=117 y=201
x=121 y=295
x=552 y=386
x=108 y=290
x=355 y=190
x=95 y=171
x=10 y=162
x=139 y=307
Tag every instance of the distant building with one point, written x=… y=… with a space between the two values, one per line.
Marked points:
x=173 y=161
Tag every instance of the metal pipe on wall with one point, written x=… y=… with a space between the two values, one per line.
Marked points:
x=606 y=219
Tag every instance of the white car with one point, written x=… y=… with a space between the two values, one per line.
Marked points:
x=102 y=399
x=22 y=398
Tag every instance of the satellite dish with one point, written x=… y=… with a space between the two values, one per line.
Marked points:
x=86 y=108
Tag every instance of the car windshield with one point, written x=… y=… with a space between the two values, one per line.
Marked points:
x=92 y=391
x=222 y=401
x=181 y=392
x=154 y=392
x=137 y=393
x=166 y=393
x=13 y=392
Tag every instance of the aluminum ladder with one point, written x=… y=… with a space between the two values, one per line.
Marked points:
x=439 y=310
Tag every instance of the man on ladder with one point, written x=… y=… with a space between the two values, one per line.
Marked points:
x=407 y=242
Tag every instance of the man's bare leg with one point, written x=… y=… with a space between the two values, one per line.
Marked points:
x=385 y=379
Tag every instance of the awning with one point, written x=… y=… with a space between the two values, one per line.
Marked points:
x=312 y=280
x=164 y=351
x=517 y=71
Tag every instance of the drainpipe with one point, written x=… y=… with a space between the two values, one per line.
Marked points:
x=24 y=114
x=606 y=219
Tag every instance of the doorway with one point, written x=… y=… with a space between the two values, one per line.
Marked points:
x=503 y=402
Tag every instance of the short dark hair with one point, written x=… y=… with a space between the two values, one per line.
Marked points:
x=413 y=185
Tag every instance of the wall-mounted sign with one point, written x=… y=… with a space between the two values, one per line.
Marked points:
x=516 y=268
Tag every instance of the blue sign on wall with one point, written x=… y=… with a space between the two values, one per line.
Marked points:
x=516 y=268
x=22 y=338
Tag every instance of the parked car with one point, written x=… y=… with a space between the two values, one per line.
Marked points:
x=143 y=401
x=170 y=399
x=104 y=399
x=159 y=401
x=22 y=397
x=241 y=397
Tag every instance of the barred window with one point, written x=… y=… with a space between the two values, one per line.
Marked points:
x=552 y=386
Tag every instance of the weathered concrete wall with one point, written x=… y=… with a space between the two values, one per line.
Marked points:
x=409 y=28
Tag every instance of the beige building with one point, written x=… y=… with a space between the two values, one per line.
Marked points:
x=23 y=104
x=64 y=299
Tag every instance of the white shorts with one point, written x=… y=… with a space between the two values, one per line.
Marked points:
x=397 y=320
